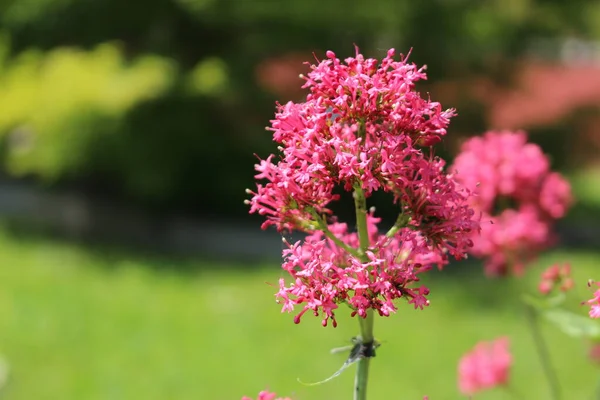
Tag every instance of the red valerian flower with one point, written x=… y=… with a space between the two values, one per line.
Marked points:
x=484 y=367
x=517 y=195
x=362 y=127
x=556 y=277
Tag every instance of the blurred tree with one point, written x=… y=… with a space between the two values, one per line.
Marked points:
x=171 y=115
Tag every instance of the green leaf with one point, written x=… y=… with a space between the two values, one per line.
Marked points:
x=556 y=300
x=573 y=324
x=541 y=304
x=533 y=302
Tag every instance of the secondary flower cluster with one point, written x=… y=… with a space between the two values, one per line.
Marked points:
x=556 y=277
x=325 y=275
x=362 y=128
x=517 y=194
x=484 y=367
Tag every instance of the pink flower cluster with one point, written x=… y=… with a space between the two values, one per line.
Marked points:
x=484 y=367
x=361 y=125
x=517 y=195
x=556 y=277
x=594 y=352
x=362 y=128
x=264 y=395
x=594 y=302
x=324 y=275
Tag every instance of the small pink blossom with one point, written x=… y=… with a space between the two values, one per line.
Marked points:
x=517 y=196
x=594 y=302
x=484 y=367
x=556 y=277
x=264 y=395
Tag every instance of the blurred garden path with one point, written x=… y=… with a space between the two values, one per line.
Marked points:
x=77 y=217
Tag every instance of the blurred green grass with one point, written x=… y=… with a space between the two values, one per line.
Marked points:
x=83 y=324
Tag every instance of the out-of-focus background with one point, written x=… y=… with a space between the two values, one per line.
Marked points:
x=129 y=268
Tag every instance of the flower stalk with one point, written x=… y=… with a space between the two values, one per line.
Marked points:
x=366 y=324
x=364 y=129
x=543 y=353
x=362 y=370
x=322 y=224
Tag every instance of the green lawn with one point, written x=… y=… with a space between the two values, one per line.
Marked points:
x=81 y=324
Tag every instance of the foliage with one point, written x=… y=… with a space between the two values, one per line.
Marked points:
x=56 y=104
x=179 y=94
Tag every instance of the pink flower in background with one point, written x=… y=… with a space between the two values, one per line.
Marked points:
x=362 y=127
x=509 y=240
x=264 y=395
x=594 y=352
x=556 y=277
x=517 y=195
x=594 y=302
x=484 y=367
x=555 y=196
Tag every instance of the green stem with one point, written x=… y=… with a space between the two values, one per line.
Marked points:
x=366 y=324
x=513 y=393
x=360 y=204
x=400 y=223
x=543 y=353
x=596 y=395
x=362 y=369
x=323 y=227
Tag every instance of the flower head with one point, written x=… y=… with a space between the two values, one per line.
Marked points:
x=361 y=124
x=556 y=277
x=484 y=367
x=517 y=195
x=363 y=128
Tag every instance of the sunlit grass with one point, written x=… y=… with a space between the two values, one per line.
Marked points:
x=77 y=324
